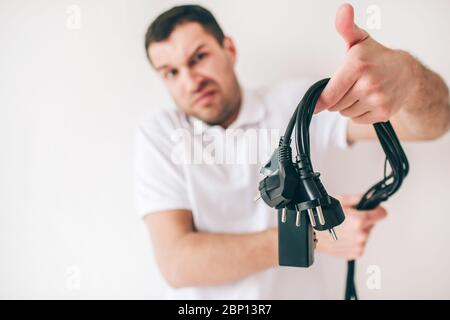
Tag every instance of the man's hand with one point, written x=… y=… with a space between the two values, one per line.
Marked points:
x=353 y=233
x=374 y=82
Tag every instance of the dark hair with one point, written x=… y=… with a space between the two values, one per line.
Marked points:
x=161 y=28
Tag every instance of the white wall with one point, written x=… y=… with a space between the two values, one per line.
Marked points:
x=69 y=101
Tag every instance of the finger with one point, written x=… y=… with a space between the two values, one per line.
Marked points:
x=346 y=27
x=368 y=117
x=353 y=95
x=377 y=214
x=340 y=83
x=372 y=217
x=349 y=200
x=346 y=101
x=355 y=110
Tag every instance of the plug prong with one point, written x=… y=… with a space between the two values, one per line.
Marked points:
x=257 y=197
x=297 y=218
x=320 y=214
x=333 y=234
x=311 y=217
x=283 y=215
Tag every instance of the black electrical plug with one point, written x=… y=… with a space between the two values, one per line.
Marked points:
x=324 y=211
x=289 y=186
x=281 y=183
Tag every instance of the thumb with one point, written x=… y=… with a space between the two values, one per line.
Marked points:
x=346 y=26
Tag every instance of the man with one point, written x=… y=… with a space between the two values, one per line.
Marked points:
x=210 y=239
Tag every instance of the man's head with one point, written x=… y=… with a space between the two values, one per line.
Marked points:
x=196 y=62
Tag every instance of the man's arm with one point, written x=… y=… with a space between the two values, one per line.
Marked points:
x=377 y=84
x=188 y=258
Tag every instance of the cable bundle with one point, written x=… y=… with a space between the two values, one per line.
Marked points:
x=296 y=187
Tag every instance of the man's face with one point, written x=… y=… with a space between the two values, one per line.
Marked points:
x=199 y=73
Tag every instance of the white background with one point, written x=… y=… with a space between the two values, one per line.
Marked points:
x=70 y=99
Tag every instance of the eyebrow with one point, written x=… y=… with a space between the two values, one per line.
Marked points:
x=200 y=46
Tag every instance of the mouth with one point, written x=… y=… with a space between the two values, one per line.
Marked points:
x=205 y=97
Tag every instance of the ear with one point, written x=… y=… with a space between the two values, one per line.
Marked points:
x=230 y=48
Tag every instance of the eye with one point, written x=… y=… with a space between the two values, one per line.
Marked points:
x=199 y=56
x=170 y=74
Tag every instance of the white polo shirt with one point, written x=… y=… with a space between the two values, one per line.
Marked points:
x=182 y=163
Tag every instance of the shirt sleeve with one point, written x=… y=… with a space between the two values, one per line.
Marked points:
x=159 y=182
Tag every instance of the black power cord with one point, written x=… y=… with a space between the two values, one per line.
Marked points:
x=293 y=188
x=382 y=190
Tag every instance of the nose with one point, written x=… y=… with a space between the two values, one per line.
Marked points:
x=192 y=81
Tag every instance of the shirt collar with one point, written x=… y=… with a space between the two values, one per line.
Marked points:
x=252 y=110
